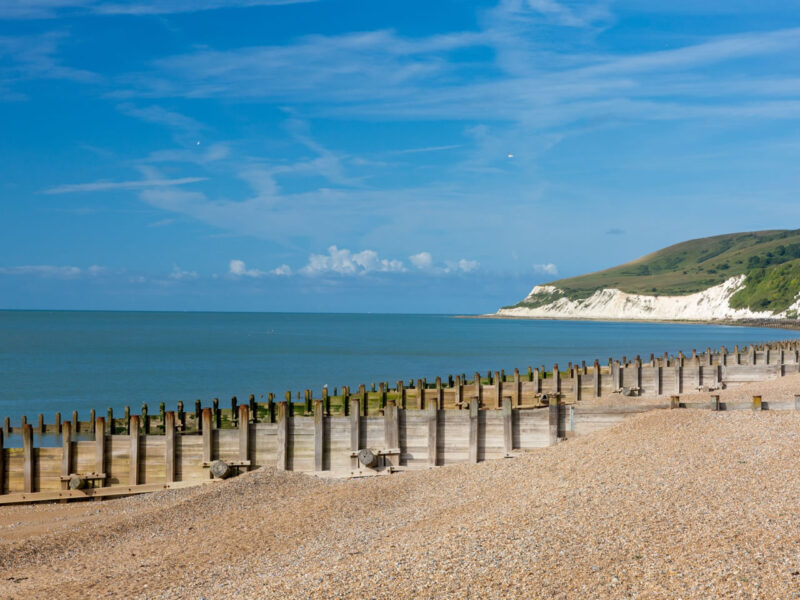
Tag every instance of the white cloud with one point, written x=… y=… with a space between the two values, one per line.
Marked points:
x=239 y=269
x=101 y=186
x=546 y=269
x=58 y=272
x=180 y=275
x=461 y=266
x=344 y=262
x=283 y=270
x=423 y=260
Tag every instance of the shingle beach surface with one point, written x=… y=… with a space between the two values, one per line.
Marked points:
x=670 y=504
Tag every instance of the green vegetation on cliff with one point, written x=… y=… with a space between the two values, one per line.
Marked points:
x=769 y=259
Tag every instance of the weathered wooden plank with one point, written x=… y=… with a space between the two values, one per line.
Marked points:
x=433 y=435
x=391 y=432
x=133 y=472
x=121 y=490
x=169 y=446
x=355 y=429
x=508 y=426
x=2 y=465
x=282 y=421
x=100 y=447
x=473 y=430
x=27 y=454
x=66 y=453
x=244 y=435
x=319 y=435
x=552 y=422
x=207 y=427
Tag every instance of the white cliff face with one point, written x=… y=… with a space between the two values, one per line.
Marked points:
x=610 y=303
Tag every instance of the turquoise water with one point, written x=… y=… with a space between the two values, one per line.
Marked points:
x=65 y=361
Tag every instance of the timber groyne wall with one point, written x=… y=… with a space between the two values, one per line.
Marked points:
x=372 y=431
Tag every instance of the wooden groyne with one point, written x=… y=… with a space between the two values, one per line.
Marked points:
x=372 y=431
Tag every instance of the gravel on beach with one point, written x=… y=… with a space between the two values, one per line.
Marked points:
x=669 y=504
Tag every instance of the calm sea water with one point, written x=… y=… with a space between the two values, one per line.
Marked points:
x=65 y=361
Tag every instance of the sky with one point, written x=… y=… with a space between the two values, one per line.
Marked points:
x=359 y=156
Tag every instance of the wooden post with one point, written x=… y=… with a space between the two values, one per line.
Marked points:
x=253 y=408
x=596 y=381
x=198 y=412
x=270 y=407
x=133 y=476
x=433 y=433
x=459 y=391
x=40 y=423
x=127 y=420
x=7 y=425
x=552 y=420
x=391 y=432
x=217 y=413
x=508 y=431
x=616 y=375
x=537 y=381
x=797 y=402
x=145 y=420
x=27 y=453
x=401 y=394
x=283 y=436
x=234 y=410
x=355 y=432
x=517 y=387
x=478 y=388
x=66 y=449
x=109 y=420
x=556 y=379
x=674 y=402
x=473 y=430
x=715 y=402
x=678 y=378
x=757 y=403
x=319 y=435
x=162 y=413
x=752 y=354
x=244 y=435
x=576 y=383
x=169 y=451
x=498 y=389
x=439 y=394
x=100 y=447
x=76 y=426
x=205 y=424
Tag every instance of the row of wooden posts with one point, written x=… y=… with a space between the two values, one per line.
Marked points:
x=266 y=411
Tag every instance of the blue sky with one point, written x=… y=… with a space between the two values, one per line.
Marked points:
x=379 y=156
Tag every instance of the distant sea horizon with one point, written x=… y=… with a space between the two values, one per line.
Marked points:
x=64 y=360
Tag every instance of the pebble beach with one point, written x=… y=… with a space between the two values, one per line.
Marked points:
x=669 y=504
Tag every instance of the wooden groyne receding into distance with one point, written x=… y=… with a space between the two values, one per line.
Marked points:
x=372 y=431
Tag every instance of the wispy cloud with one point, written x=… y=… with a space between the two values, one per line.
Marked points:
x=102 y=186
x=179 y=274
x=47 y=9
x=53 y=271
x=31 y=57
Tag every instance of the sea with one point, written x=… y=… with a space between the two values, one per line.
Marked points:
x=65 y=361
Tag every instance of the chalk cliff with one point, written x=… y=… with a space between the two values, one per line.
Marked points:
x=608 y=303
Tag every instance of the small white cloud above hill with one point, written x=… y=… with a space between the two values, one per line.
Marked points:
x=546 y=269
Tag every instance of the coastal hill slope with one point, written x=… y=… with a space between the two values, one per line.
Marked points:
x=734 y=276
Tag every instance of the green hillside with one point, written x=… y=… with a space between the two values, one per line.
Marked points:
x=770 y=259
